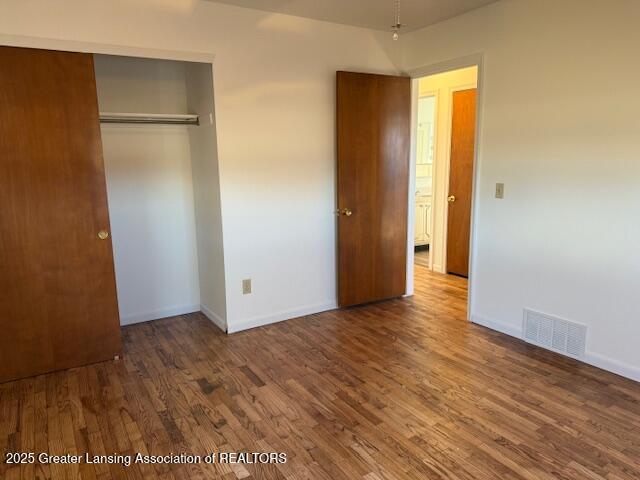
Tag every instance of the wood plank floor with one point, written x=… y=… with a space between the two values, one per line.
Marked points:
x=404 y=389
x=421 y=257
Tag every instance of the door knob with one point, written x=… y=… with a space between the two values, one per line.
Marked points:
x=451 y=198
x=103 y=234
x=346 y=212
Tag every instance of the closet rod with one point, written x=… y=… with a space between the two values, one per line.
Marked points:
x=150 y=118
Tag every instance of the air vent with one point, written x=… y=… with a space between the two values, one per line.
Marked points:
x=557 y=334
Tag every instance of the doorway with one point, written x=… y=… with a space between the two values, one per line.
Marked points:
x=444 y=130
x=425 y=152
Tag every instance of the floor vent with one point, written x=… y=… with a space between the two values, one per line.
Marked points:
x=554 y=333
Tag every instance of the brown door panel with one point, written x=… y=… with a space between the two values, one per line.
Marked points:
x=373 y=121
x=58 y=306
x=463 y=137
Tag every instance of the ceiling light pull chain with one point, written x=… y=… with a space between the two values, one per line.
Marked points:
x=397 y=26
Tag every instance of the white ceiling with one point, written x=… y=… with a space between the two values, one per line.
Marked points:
x=375 y=14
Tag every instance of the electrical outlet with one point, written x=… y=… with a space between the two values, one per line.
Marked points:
x=499 y=190
x=246 y=286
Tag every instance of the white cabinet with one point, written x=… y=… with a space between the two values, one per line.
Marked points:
x=422 y=229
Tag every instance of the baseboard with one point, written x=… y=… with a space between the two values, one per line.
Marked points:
x=614 y=366
x=158 y=314
x=216 y=319
x=281 y=316
x=511 y=330
x=595 y=359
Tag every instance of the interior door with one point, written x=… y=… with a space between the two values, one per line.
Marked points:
x=463 y=138
x=373 y=121
x=58 y=306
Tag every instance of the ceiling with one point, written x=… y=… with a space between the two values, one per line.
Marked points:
x=375 y=14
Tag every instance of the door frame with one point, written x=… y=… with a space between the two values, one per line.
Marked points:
x=476 y=60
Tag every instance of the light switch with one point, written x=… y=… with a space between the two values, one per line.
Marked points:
x=499 y=190
x=246 y=286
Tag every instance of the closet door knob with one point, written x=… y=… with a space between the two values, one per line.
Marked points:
x=451 y=198
x=103 y=234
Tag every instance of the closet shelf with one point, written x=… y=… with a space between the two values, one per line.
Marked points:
x=149 y=118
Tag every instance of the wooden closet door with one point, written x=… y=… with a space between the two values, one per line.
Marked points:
x=58 y=306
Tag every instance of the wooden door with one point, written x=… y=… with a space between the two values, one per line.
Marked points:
x=58 y=305
x=463 y=138
x=374 y=117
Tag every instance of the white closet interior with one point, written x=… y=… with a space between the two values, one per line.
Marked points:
x=158 y=136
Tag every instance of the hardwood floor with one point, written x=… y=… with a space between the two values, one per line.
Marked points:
x=421 y=257
x=404 y=389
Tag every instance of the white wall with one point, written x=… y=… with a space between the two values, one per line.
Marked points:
x=560 y=128
x=149 y=185
x=206 y=185
x=275 y=112
x=442 y=87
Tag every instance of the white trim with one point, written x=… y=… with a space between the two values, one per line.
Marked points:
x=411 y=221
x=216 y=319
x=476 y=59
x=281 y=316
x=473 y=60
x=506 y=328
x=611 y=365
x=590 y=358
x=158 y=314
